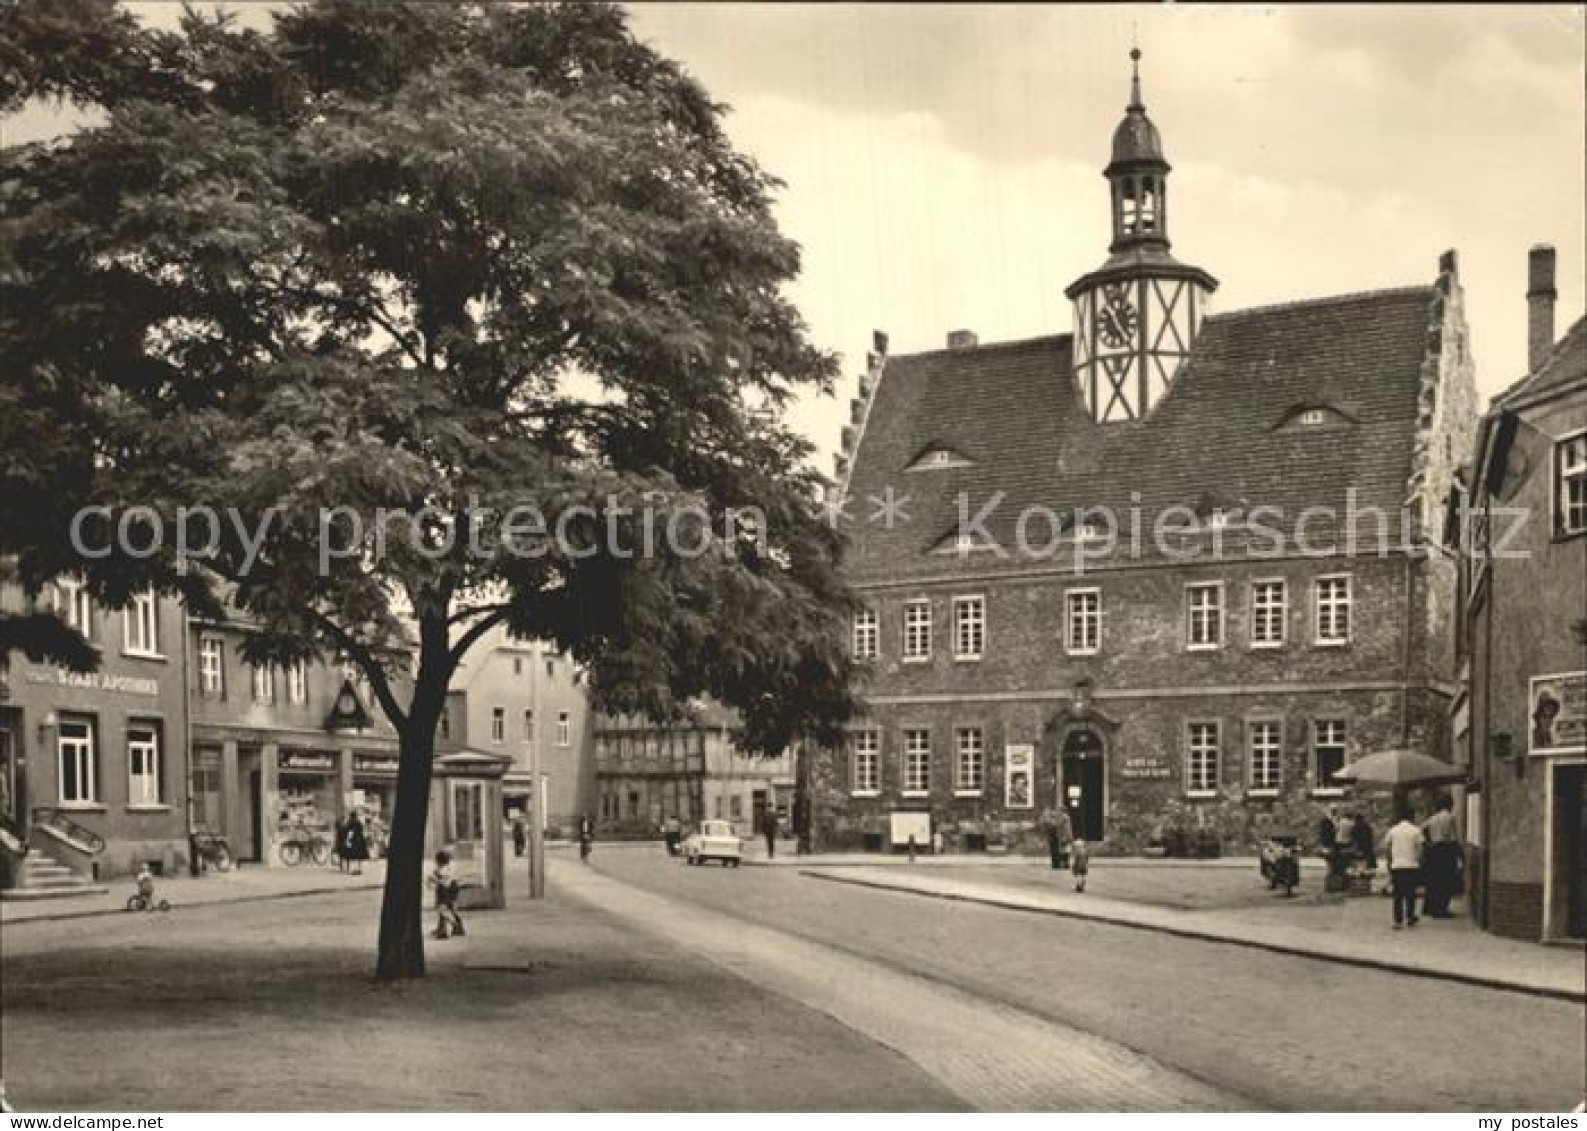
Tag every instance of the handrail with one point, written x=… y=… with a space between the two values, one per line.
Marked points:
x=61 y=823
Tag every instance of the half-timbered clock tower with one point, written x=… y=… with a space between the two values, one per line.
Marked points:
x=1138 y=314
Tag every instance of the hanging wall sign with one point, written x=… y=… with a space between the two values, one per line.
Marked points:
x=1019 y=774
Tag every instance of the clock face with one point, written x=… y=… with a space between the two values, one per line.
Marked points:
x=1115 y=319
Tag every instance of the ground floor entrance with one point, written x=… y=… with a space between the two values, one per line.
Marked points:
x=1083 y=781
x=1568 y=864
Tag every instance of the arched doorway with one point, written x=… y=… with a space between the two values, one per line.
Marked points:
x=1082 y=782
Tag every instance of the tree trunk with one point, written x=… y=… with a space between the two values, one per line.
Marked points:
x=401 y=953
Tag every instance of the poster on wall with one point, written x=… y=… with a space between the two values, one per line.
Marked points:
x=1019 y=774
x=1557 y=714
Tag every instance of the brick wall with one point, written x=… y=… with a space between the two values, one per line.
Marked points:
x=1150 y=687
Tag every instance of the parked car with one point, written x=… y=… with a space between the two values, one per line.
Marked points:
x=714 y=840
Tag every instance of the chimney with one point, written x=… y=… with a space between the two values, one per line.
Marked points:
x=962 y=339
x=1540 y=296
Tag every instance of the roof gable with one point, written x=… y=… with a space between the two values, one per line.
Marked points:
x=1212 y=436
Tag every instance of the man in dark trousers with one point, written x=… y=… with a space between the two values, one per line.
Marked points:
x=769 y=827
x=1443 y=859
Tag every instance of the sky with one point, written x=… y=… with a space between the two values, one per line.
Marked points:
x=942 y=163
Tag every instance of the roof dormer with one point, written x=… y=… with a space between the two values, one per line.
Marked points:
x=1313 y=416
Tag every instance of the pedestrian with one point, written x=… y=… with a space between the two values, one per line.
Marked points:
x=1079 y=863
x=672 y=834
x=1363 y=842
x=1059 y=831
x=520 y=836
x=586 y=838
x=1328 y=848
x=1443 y=859
x=769 y=827
x=355 y=843
x=911 y=846
x=1345 y=838
x=1402 y=847
x=341 y=842
x=447 y=921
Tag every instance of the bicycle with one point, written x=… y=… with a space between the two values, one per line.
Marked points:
x=304 y=842
x=140 y=902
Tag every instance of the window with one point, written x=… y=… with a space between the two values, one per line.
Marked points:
x=264 y=684
x=969 y=774
x=1201 y=768
x=867 y=761
x=917 y=762
x=143 y=765
x=74 y=606
x=917 y=630
x=211 y=667
x=564 y=729
x=140 y=626
x=866 y=635
x=1570 y=485
x=468 y=810
x=517 y=665
x=1218 y=519
x=551 y=669
x=1083 y=624
x=1269 y=611
x=735 y=807
x=297 y=682
x=444 y=727
x=969 y=627
x=1313 y=416
x=1327 y=754
x=498 y=724
x=1089 y=530
x=78 y=776
x=528 y=726
x=1204 y=615
x=1333 y=610
x=1266 y=768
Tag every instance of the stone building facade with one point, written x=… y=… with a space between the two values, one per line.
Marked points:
x=691 y=770
x=93 y=767
x=280 y=756
x=1167 y=571
x=520 y=698
x=1521 y=719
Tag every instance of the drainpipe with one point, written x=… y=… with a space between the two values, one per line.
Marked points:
x=1405 y=660
x=187 y=741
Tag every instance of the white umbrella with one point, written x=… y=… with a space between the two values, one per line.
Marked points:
x=1399 y=768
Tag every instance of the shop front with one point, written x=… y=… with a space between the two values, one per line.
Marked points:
x=308 y=806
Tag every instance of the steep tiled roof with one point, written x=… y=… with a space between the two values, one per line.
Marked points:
x=1219 y=438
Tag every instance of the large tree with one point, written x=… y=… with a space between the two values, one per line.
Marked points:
x=446 y=261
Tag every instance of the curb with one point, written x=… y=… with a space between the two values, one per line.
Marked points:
x=1482 y=981
x=263 y=897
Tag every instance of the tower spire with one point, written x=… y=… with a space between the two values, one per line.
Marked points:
x=1135 y=80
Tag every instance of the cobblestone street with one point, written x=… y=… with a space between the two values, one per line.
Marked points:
x=1281 y=1031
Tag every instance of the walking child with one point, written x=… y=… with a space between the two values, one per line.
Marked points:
x=1079 y=863
x=447 y=920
